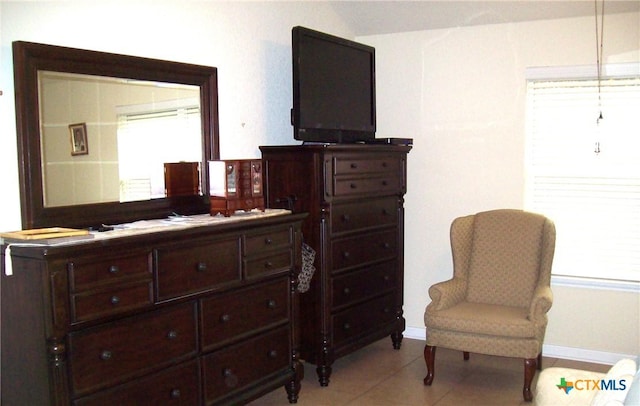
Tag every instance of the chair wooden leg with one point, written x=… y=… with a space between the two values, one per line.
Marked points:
x=529 y=373
x=429 y=359
x=465 y=355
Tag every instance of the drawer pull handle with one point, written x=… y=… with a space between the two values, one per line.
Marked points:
x=175 y=394
x=172 y=335
x=202 y=266
x=115 y=300
x=346 y=326
x=346 y=218
x=273 y=354
x=346 y=291
x=106 y=355
x=271 y=304
x=268 y=241
x=114 y=269
x=230 y=379
x=225 y=318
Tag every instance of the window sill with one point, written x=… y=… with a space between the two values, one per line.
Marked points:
x=594 y=283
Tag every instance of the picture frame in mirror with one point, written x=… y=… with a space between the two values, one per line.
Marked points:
x=79 y=141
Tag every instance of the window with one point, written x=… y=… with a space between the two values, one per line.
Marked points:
x=149 y=136
x=584 y=173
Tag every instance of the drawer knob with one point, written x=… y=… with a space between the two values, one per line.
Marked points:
x=384 y=164
x=172 y=335
x=346 y=326
x=353 y=186
x=346 y=218
x=202 y=266
x=386 y=245
x=354 y=165
x=271 y=304
x=268 y=241
x=273 y=354
x=230 y=379
x=386 y=278
x=386 y=310
x=175 y=394
x=385 y=183
x=385 y=212
x=346 y=291
x=115 y=300
x=225 y=318
x=106 y=355
x=114 y=269
x=345 y=254
x=268 y=265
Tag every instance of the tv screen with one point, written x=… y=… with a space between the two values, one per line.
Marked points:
x=333 y=88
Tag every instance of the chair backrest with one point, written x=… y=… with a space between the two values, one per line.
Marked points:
x=505 y=254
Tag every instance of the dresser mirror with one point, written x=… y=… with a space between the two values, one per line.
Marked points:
x=95 y=130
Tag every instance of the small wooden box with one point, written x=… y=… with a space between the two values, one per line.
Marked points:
x=182 y=178
x=235 y=185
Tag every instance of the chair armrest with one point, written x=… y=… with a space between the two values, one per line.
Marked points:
x=446 y=294
x=540 y=303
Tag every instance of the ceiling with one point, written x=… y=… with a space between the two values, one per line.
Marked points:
x=385 y=17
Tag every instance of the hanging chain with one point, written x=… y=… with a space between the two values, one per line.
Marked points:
x=599 y=42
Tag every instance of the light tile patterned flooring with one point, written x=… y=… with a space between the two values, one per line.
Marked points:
x=378 y=375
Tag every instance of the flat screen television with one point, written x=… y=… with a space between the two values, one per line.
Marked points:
x=334 y=92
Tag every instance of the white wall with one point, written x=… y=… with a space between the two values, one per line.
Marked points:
x=249 y=43
x=460 y=93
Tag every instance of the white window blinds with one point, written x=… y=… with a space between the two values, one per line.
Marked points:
x=148 y=139
x=586 y=176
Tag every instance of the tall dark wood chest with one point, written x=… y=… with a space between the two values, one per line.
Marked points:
x=354 y=196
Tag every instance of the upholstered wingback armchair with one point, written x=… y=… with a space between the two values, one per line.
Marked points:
x=498 y=299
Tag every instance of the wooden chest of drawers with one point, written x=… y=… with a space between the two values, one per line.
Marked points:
x=198 y=316
x=354 y=197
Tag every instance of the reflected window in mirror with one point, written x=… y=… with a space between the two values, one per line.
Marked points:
x=133 y=125
x=152 y=128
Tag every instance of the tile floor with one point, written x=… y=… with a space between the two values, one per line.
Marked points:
x=378 y=375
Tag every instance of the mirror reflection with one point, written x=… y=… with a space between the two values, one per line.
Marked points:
x=108 y=139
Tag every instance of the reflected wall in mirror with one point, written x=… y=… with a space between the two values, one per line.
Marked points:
x=135 y=126
x=139 y=114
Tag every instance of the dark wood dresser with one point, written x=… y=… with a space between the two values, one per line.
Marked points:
x=354 y=197
x=192 y=316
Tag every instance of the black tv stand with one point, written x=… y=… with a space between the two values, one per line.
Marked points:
x=384 y=141
x=391 y=141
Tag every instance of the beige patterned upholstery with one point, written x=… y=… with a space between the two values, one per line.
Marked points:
x=498 y=299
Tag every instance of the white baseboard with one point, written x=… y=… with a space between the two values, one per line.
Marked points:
x=415 y=333
x=553 y=351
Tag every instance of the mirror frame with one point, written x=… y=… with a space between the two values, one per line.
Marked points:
x=29 y=58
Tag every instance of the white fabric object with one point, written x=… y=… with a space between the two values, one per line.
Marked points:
x=8 y=263
x=623 y=370
x=633 y=397
x=550 y=393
